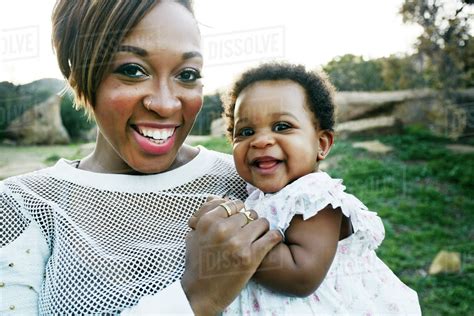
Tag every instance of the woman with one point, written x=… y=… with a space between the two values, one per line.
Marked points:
x=106 y=234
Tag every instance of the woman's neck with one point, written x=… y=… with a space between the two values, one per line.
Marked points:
x=104 y=159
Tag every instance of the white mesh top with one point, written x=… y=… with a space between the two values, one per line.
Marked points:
x=78 y=242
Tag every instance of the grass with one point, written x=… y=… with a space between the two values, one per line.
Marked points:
x=216 y=143
x=21 y=159
x=423 y=192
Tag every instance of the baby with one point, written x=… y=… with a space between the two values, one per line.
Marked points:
x=280 y=120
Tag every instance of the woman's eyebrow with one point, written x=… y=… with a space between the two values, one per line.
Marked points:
x=143 y=53
x=193 y=54
x=133 y=49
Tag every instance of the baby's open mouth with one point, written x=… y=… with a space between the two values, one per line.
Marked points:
x=265 y=162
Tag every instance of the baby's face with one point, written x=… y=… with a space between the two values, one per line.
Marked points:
x=275 y=140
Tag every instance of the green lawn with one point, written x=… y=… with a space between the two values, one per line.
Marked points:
x=423 y=193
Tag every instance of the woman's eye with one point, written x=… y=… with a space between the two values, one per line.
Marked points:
x=131 y=71
x=281 y=126
x=245 y=132
x=189 y=75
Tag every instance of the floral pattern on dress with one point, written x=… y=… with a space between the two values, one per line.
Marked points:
x=357 y=283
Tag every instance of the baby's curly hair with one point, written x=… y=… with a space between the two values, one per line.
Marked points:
x=319 y=91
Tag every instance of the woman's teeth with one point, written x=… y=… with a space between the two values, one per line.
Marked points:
x=158 y=134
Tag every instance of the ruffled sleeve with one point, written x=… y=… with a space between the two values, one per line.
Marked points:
x=310 y=194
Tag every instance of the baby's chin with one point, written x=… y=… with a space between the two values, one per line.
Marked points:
x=269 y=188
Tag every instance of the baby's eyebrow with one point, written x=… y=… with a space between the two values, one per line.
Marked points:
x=242 y=121
x=285 y=113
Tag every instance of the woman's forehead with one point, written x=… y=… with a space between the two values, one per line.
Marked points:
x=168 y=26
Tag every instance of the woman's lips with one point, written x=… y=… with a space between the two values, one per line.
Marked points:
x=154 y=146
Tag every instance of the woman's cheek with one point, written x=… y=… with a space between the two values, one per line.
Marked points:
x=193 y=106
x=119 y=104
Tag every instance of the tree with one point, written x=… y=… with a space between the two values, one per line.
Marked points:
x=445 y=45
x=354 y=73
x=211 y=110
x=403 y=72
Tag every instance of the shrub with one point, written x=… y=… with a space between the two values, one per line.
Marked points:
x=75 y=121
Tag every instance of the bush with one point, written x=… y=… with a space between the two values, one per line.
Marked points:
x=211 y=110
x=75 y=121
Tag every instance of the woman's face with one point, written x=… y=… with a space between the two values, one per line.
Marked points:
x=148 y=100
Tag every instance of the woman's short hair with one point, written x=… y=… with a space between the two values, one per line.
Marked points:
x=86 y=34
x=319 y=91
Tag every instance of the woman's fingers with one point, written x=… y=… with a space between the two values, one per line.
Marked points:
x=222 y=254
x=242 y=218
x=207 y=206
x=264 y=244
x=215 y=210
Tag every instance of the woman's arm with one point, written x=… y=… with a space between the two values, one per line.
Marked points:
x=298 y=266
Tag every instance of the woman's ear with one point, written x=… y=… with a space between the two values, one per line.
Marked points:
x=326 y=140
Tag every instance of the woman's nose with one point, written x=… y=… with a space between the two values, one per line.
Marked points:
x=163 y=101
x=262 y=140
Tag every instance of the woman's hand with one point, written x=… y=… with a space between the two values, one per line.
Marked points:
x=222 y=254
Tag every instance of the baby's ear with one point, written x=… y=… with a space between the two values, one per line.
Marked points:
x=326 y=140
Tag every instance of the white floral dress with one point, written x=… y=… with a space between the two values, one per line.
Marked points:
x=357 y=283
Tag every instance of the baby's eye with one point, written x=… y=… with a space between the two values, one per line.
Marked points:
x=189 y=75
x=133 y=71
x=281 y=126
x=245 y=132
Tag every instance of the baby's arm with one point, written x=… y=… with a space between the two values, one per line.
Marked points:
x=298 y=266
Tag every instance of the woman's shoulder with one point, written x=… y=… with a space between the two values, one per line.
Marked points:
x=28 y=177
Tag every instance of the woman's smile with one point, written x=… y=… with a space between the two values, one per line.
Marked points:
x=155 y=141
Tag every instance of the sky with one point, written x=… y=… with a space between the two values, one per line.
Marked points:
x=237 y=34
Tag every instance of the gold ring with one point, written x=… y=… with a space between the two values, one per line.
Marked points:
x=247 y=215
x=227 y=209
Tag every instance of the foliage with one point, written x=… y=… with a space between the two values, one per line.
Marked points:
x=446 y=46
x=444 y=59
x=75 y=121
x=403 y=72
x=354 y=73
x=211 y=110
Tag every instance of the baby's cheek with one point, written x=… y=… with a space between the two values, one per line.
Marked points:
x=241 y=165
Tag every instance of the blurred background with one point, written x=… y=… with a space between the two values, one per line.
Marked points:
x=404 y=73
